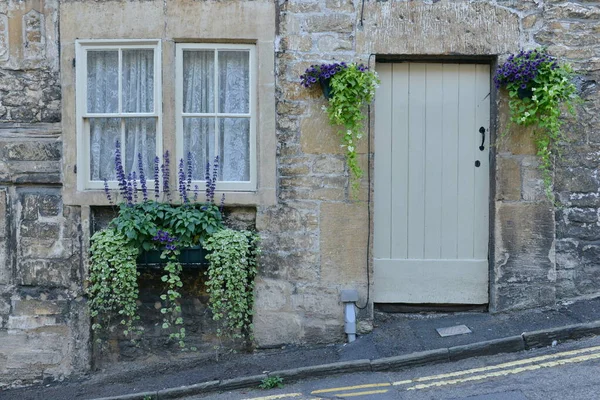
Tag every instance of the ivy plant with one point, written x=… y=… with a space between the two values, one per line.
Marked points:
x=351 y=86
x=232 y=267
x=540 y=88
x=113 y=288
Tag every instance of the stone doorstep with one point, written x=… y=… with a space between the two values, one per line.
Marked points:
x=525 y=341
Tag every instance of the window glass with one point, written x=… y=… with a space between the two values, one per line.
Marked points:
x=234 y=81
x=198 y=81
x=234 y=149
x=103 y=82
x=138 y=81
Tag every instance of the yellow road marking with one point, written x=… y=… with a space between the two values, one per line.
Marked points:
x=498 y=366
x=339 y=389
x=277 y=396
x=508 y=372
x=361 y=393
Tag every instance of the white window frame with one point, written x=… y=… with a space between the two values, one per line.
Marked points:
x=223 y=186
x=83 y=127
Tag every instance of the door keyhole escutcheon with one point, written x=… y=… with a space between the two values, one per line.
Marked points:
x=477 y=163
x=482 y=131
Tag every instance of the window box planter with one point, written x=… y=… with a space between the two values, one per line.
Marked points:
x=326 y=87
x=191 y=256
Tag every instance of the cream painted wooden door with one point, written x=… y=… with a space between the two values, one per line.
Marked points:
x=431 y=183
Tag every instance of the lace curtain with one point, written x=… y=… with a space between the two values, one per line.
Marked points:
x=233 y=133
x=137 y=96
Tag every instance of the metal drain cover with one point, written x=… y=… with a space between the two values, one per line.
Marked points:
x=453 y=330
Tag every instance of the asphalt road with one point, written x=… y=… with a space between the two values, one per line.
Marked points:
x=568 y=371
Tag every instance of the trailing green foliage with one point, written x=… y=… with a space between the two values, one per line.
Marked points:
x=113 y=287
x=539 y=89
x=172 y=309
x=352 y=88
x=232 y=267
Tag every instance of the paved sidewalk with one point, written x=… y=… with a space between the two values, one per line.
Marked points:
x=394 y=335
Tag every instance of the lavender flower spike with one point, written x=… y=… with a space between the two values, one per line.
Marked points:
x=196 y=190
x=182 y=182
x=189 y=171
x=134 y=186
x=222 y=205
x=120 y=172
x=207 y=181
x=142 y=177
x=165 y=172
x=107 y=192
x=156 y=178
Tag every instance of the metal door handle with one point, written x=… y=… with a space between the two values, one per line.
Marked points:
x=482 y=131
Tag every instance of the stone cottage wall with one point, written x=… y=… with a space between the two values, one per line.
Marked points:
x=315 y=238
x=43 y=324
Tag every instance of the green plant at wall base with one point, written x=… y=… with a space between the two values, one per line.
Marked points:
x=271 y=382
x=540 y=88
x=352 y=87
x=113 y=288
x=232 y=267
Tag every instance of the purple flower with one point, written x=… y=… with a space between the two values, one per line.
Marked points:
x=107 y=192
x=120 y=171
x=156 y=178
x=189 y=171
x=134 y=187
x=165 y=174
x=182 y=182
x=142 y=177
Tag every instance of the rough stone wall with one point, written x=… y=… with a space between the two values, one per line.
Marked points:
x=43 y=323
x=29 y=69
x=316 y=237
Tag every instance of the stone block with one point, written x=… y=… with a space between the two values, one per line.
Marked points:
x=272 y=295
x=576 y=180
x=29 y=307
x=31 y=248
x=276 y=328
x=316 y=301
x=43 y=204
x=344 y=230
x=330 y=43
x=441 y=28
x=291 y=217
x=40 y=150
x=329 y=23
x=508 y=176
x=329 y=165
x=322 y=330
x=28 y=322
x=518 y=296
x=40 y=230
x=45 y=273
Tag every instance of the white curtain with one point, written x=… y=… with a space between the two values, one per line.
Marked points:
x=137 y=96
x=233 y=97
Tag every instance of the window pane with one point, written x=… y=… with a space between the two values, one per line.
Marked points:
x=198 y=81
x=140 y=138
x=234 y=82
x=103 y=81
x=234 y=149
x=138 y=81
x=104 y=133
x=199 y=139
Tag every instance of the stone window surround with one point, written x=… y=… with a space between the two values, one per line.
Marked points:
x=182 y=25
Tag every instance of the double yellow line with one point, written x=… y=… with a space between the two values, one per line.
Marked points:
x=470 y=375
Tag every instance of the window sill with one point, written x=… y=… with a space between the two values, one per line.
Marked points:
x=262 y=197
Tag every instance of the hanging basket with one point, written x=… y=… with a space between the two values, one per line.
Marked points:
x=190 y=256
x=326 y=87
x=526 y=93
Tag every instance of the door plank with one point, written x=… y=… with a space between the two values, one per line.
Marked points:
x=416 y=161
x=466 y=159
x=433 y=160
x=383 y=160
x=449 y=248
x=400 y=156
